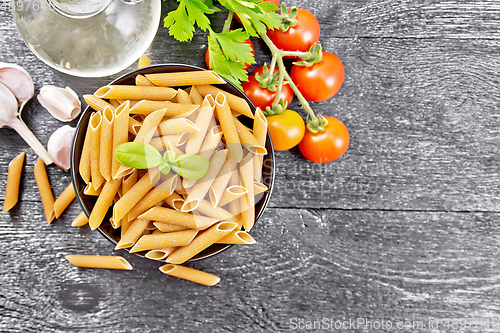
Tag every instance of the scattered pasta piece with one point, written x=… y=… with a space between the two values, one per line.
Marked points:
x=190 y=274
x=13 y=181
x=92 y=261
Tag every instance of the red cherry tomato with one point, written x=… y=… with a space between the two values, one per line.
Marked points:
x=276 y=2
x=262 y=97
x=286 y=129
x=325 y=146
x=247 y=66
x=300 y=37
x=320 y=81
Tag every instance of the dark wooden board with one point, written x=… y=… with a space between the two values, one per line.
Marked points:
x=403 y=227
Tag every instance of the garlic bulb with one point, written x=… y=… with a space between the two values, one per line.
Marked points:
x=62 y=103
x=9 y=117
x=59 y=146
x=19 y=82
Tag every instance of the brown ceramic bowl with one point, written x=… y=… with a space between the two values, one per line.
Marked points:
x=88 y=202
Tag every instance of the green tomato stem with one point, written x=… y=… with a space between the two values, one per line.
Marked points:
x=227 y=23
x=278 y=91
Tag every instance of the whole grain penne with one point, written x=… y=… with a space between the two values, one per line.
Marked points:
x=205 y=207
x=235 y=205
x=133 y=233
x=89 y=190
x=136 y=92
x=177 y=126
x=246 y=174
x=132 y=197
x=248 y=139
x=63 y=201
x=205 y=114
x=106 y=143
x=91 y=261
x=190 y=274
x=195 y=95
x=84 y=165
x=211 y=141
x=13 y=181
x=80 y=220
x=188 y=220
x=114 y=102
x=104 y=201
x=231 y=193
x=258 y=187
x=42 y=182
x=236 y=103
x=177 y=79
x=95 y=140
x=183 y=97
x=127 y=183
x=203 y=184
x=260 y=133
x=154 y=196
x=120 y=133
x=201 y=242
x=167 y=227
x=175 y=201
x=160 y=142
x=163 y=240
x=141 y=80
x=228 y=126
x=237 y=237
x=96 y=103
x=161 y=253
x=220 y=182
x=134 y=126
x=149 y=126
x=171 y=109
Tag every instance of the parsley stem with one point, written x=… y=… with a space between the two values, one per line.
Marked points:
x=227 y=23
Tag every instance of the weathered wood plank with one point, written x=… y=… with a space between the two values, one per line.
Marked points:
x=307 y=264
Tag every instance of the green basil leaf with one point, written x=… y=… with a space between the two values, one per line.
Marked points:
x=191 y=166
x=169 y=157
x=138 y=155
x=164 y=168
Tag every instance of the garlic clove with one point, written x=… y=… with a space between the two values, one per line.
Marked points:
x=19 y=81
x=62 y=103
x=8 y=105
x=59 y=146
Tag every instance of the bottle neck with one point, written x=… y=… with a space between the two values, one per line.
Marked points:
x=79 y=9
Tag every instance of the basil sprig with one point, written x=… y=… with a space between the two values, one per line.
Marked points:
x=140 y=155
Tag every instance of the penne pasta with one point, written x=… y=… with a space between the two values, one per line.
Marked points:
x=228 y=126
x=246 y=174
x=220 y=182
x=260 y=133
x=136 y=93
x=258 y=187
x=167 y=227
x=149 y=126
x=114 y=102
x=89 y=190
x=134 y=126
x=90 y=261
x=161 y=142
x=190 y=274
x=211 y=141
x=205 y=114
x=96 y=103
x=236 y=103
x=80 y=220
x=237 y=237
x=13 y=182
x=164 y=240
x=42 y=182
x=203 y=184
x=141 y=80
x=133 y=233
x=63 y=201
x=132 y=197
x=201 y=242
x=106 y=143
x=188 y=220
x=154 y=196
x=205 y=207
x=120 y=133
x=84 y=166
x=183 y=97
x=195 y=95
x=171 y=109
x=95 y=136
x=103 y=203
x=248 y=139
x=177 y=79
x=231 y=193
x=175 y=201
x=160 y=254
x=177 y=126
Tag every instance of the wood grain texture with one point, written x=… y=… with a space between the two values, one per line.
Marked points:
x=403 y=227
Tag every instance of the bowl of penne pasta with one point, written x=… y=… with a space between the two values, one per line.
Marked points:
x=207 y=167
